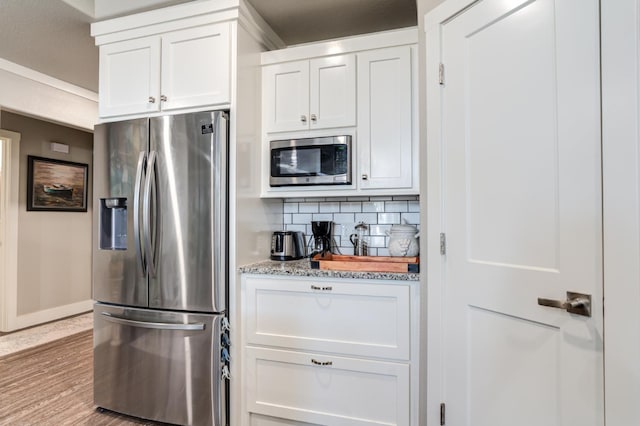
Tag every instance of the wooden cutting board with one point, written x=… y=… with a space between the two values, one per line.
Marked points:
x=339 y=262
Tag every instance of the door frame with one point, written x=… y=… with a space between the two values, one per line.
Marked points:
x=620 y=62
x=621 y=207
x=9 y=228
x=433 y=300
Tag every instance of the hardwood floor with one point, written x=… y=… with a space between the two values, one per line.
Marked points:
x=52 y=385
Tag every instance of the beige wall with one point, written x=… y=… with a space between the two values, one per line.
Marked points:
x=54 y=248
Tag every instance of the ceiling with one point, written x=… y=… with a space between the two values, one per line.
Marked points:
x=53 y=37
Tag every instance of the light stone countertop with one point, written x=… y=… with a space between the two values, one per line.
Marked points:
x=302 y=268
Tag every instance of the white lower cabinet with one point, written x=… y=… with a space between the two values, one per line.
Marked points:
x=320 y=351
x=260 y=420
x=327 y=388
x=329 y=316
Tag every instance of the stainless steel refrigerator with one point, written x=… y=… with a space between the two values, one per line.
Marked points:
x=160 y=268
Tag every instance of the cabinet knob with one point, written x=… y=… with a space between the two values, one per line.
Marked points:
x=303 y=118
x=365 y=177
x=163 y=98
x=314 y=118
x=152 y=100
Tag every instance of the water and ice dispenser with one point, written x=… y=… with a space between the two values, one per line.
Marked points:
x=113 y=223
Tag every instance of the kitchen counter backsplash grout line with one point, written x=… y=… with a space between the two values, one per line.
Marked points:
x=379 y=213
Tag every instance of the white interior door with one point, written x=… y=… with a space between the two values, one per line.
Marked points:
x=521 y=210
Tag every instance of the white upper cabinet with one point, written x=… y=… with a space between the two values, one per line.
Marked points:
x=385 y=129
x=332 y=100
x=310 y=94
x=368 y=91
x=129 y=77
x=286 y=96
x=196 y=67
x=180 y=69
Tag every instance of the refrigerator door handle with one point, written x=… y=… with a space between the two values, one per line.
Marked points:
x=136 y=213
x=146 y=216
x=219 y=294
x=156 y=325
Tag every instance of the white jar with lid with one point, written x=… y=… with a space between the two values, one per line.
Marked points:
x=403 y=240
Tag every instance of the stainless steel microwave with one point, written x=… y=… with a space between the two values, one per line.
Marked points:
x=311 y=161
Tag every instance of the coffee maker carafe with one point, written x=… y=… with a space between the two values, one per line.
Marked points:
x=321 y=237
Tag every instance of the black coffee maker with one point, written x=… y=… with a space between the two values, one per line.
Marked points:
x=321 y=237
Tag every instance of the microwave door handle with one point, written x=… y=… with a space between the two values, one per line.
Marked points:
x=136 y=213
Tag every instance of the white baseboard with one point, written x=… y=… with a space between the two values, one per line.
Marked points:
x=40 y=317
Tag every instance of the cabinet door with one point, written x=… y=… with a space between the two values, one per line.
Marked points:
x=385 y=136
x=196 y=67
x=316 y=314
x=260 y=420
x=326 y=389
x=130 y=77
x=286 y=96
x=332 y=92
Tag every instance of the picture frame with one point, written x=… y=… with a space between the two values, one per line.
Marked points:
x=56 y=185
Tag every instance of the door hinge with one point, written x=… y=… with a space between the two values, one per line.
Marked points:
x=442 y=414
x=441 y=73
x=443 y=243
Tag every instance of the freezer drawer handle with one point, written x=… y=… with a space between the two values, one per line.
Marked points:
x=157 y=325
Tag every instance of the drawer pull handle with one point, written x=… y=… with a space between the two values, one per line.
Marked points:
x=327 y=288
x=313 y=361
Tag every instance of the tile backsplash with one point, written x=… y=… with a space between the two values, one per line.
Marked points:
x=379 y=213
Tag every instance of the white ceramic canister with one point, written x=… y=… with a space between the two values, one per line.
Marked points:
x=403 y=240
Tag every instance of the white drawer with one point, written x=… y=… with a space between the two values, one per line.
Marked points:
x=371 y=320
x=260 y=420
x=345 y=391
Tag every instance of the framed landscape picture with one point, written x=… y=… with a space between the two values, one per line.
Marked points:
x=56 y=185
